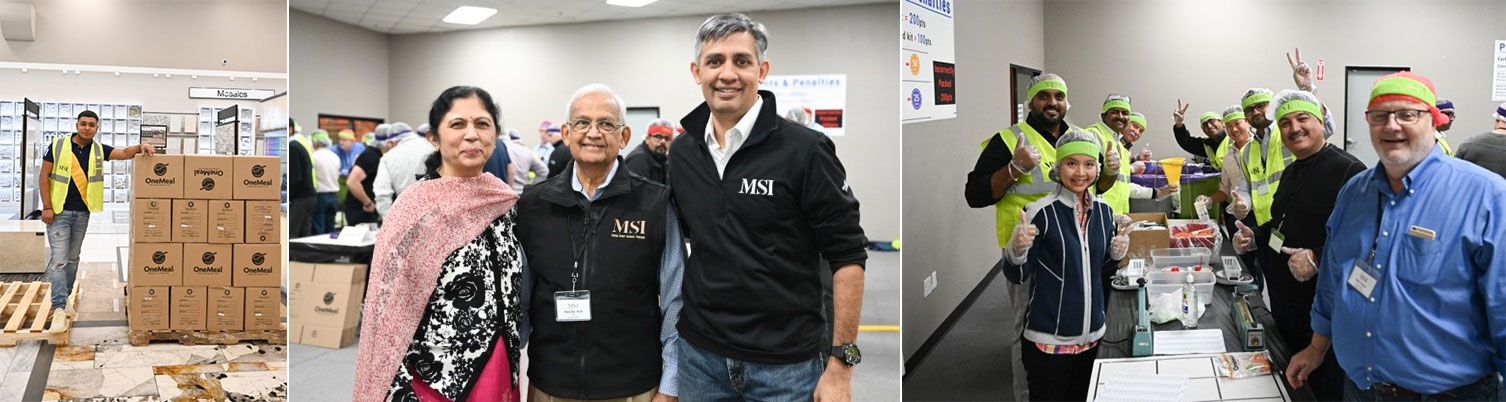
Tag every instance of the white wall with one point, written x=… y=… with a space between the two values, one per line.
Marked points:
x=251 y=34
x=1210 y=52
x=942 y=233
x=531 y=71
x=336 y=68
x=154 y=94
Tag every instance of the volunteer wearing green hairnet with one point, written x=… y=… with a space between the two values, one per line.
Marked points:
x=1062 y=246
x=1132 y=132
x=1214 y=143
x=1114 y=184
x=1010 y=173
x=1293 y=240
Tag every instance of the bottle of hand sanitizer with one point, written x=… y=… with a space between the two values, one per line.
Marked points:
x=1190 y=304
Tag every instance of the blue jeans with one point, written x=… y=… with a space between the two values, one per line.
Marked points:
x=705 y=376
x=1487 y=389
x=325 y=207
x=65 y=238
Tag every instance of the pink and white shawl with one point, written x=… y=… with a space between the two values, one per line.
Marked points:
x=431 y=220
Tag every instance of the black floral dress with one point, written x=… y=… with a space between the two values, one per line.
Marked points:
x=475 y=301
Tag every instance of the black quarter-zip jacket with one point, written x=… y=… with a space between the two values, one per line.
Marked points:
x=618 y=240
x=758 y=235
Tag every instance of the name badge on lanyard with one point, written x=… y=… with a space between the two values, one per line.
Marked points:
x=1363 y=278
x=1277 y=240
x=572 y=306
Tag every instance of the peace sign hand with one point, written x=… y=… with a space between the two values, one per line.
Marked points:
x=1180 y=111
x=1302 y=74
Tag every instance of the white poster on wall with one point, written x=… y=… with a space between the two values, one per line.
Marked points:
x=927 y=60
x=1498 y=91
x=822 y=100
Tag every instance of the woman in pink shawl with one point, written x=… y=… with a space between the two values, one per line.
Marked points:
x=442 y=320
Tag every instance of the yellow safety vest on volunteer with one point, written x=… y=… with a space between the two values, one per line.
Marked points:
x=1118 y=195
x=1443 y=142
x=308 y=148
x=1264 y=173
x=66 y=171
x=1028 y=187
x=1216 y=154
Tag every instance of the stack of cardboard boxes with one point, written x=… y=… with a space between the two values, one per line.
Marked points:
x=324 y=303
x=206 y=252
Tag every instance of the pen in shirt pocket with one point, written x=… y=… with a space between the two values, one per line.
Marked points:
x=1422 y=232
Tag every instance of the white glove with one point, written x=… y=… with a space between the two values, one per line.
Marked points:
x=1239 y=206
x=1301 y=262
x=1167 y=191
x=1112 y=160
x=1026 y=157
x=1244 y=239
x=1024 y=237
x=1201 y=205
x=1119 y=246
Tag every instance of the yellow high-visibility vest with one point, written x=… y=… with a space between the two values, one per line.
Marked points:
x=62 y=175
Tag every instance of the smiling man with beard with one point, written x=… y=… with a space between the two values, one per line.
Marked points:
x=1410 y=290
x=1009 y=175
x=649 y=158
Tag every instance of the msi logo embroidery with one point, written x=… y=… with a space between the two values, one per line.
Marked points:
x=629 y=229
x=757 y=187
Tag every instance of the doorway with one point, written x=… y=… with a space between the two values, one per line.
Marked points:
x=1357 y=83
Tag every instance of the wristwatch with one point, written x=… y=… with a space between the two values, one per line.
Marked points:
x=847 y=353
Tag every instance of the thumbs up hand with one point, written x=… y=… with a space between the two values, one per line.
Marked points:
x=1301 y=262
x=1111 y=162
x=1024 y=236
x=1119 y=246
x=1239 y=205
x=1026 y=157
x=1244 y=239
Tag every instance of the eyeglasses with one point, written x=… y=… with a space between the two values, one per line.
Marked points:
x=1404 y=116
x=606 y=126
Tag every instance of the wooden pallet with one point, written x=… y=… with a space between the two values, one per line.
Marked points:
x=27 y=313
x=143 y=337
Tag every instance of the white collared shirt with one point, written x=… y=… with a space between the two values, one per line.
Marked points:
x=734 y=135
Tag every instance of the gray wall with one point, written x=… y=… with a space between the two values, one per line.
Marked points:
x=251 y=34
x=532 y=71
x=942 y=233
x=1160 y=50
x=335 y=68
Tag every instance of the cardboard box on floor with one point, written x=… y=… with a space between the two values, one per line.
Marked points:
x=326 y=294
x=209 y=177
x=147 y=308
x=263 y=222
x=157 y=176
x=327 y=336
x=263 y=309
x=227 y=220
x=258 y=178
x=207 y=264
x=1143 y=241
x=156 y=264
x=227 y=307
x=24 y=247
x=152 y=220
x=190 y=219
x=258 y=265
x=190 y=305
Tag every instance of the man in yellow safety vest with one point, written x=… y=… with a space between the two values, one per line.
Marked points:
x=72 y=185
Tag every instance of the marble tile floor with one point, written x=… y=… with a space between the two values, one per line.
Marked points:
x=100 y=364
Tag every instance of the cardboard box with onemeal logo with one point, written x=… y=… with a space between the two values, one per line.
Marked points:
x=148 y=308
x=189 y=307
x=258 y=178
x=227 y=220
x=258 y=265
x=156 y=264
x=157 y=176
x=190 y=218
x=227 y=306
x=263 y=222
x=263 y=309
x=206 y=264
x=208 y=176
x=151 y=220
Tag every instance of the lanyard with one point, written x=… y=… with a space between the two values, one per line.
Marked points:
x=587 y=233
x=1296 y=192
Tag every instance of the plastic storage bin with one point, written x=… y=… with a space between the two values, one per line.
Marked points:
x=1170 y=282
x=1181 y=257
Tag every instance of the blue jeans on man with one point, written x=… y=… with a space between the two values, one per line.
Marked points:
x=325 y=207
x=706 y=376
x=65 y=239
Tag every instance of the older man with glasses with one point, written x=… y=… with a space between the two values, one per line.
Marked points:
x=1413 y=278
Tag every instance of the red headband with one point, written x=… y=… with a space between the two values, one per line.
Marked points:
x=666 y=130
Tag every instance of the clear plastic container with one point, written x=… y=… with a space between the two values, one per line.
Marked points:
x=1181 y=257
x=1171 y=282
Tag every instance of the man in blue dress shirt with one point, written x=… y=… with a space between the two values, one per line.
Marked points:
x=1412 y=291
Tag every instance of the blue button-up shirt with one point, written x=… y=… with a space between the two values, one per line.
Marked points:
x=1436 y=318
